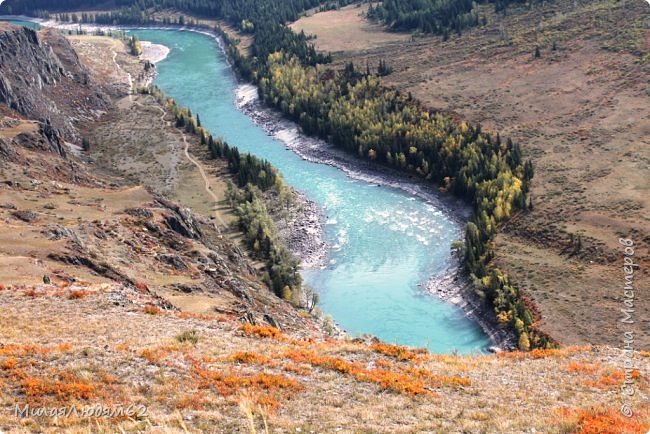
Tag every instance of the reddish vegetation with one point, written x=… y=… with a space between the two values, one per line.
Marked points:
x=77 y=294
x=266 y=389
x=388 y=380
x=611 y=379
x=9 y=363
x=602 y=421
x=31 y=293
x=582 y=368
x=398 y=351
x=64 y=389
x=24 y=350
x=250 y=358
x=543 y=353
x=152 y=310
x=261 y=331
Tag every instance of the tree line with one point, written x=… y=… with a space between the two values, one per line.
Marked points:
x=433 y=16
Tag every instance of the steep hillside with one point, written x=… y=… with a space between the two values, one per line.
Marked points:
x=67 y=220
x=184 y=372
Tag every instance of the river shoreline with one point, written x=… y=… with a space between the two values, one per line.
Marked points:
x=452 y=286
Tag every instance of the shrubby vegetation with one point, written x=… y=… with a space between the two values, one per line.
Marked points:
x=135 y=46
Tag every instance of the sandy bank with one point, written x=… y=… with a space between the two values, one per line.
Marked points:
x=154 y=53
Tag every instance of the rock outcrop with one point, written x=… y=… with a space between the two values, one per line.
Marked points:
x=42 y=78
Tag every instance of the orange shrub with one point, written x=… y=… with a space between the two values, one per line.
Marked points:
x=151 y=310
x=602 y=421
x=249 y=358
x=108 y=378
x=436 y=380
x=388 y=380
x=582 y=368
x=23 y=350
x=297 y=369
x=2 y=287
x=64 y=389
x=154 y=355
x=261 y=331
x=397 y=351
x=396 y=382
x=31 y=293
x=77 y=294
x=141 y=286
x=192 y=402
x=228 y=384
x=64 y=347
x=9 y=363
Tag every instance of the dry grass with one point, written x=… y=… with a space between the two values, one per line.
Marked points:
x=61 y=352
x=346 y=29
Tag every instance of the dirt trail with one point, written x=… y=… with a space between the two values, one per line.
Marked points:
x=130 y=77
x=208 y=187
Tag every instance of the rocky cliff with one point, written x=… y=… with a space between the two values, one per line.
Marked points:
x=42 y=78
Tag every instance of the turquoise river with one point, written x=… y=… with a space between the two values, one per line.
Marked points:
x=385 y=243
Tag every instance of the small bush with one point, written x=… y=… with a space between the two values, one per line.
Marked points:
x=9 y=363
x=191 y=336
x=397 y=351
x=152 y=310
x=249 y=358
x=77 y=295
x=261 y=331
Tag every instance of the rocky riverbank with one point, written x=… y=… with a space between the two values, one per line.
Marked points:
x=303 y=232
x=454 y=287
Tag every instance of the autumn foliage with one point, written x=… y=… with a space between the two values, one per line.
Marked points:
x=602 y=421
x=261 y=331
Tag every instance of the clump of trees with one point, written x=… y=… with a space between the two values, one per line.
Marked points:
x=135 y=46
x=440 y=17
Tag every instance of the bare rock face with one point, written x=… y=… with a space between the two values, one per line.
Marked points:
x=41 y=77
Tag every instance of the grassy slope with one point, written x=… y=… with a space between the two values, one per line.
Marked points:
x=580 y=112
x=205 y=373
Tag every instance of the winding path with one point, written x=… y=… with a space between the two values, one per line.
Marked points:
x=208 y=187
